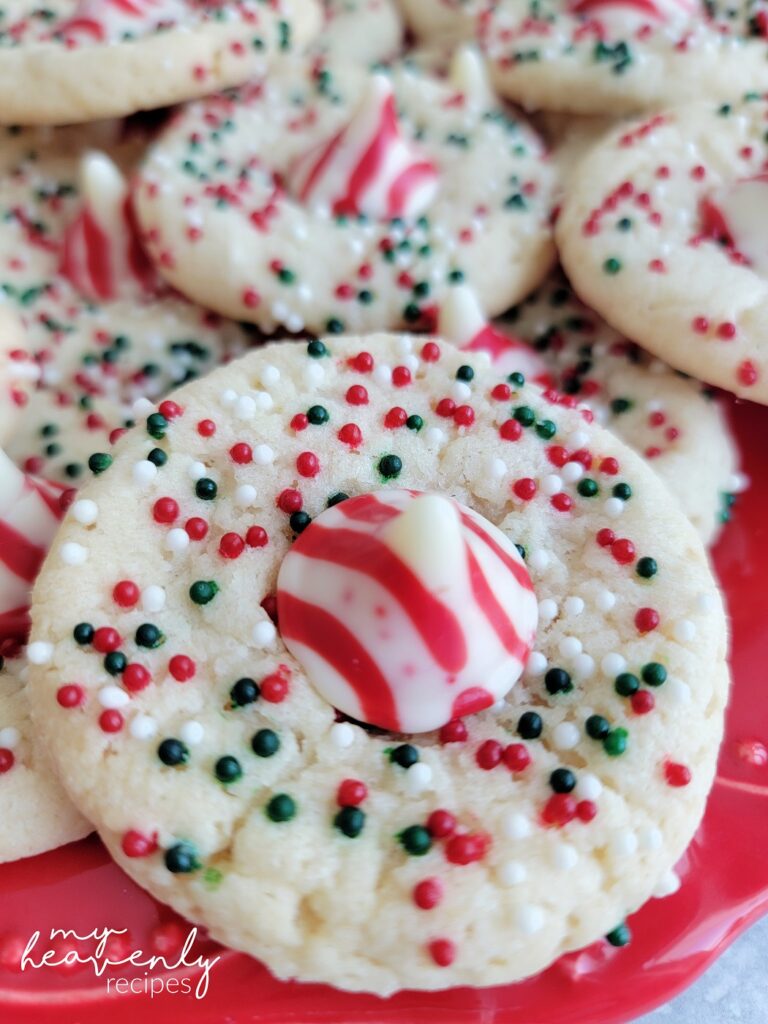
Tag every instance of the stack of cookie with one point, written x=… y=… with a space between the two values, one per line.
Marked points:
x=376 y=631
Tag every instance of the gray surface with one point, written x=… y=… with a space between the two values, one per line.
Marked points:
x=733 y=991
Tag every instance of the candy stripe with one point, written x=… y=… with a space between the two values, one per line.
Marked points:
x=517 y=570
x=18 y=554
x=497 y=617
x=438 y=627
x=407 y=184
x=368 y=509
x=318 y=630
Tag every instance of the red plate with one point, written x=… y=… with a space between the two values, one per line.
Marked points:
x=725 y=885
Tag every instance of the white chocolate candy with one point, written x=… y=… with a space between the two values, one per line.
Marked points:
x=406 y=609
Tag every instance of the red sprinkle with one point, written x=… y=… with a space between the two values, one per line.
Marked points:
x=605 y=537
x=525 y=488
x=562 y=502
x=126 y=594
x=70 y=696
x=136 y=844
x=241 y=453
x=441 y=823
x=559 y=809
x=357 y=395
x=395 y=418
x=642 y=702
x=428 y=893
x=196 y=528
x=464 y=416
x=454 y=731
x=351 y=434
x=274 y=688
x=256 y=537
x=467 y=848
x=677 y=774
x=609 y=466
x=363 y=362
x=206 y=428
x=445 y=407
x=401 y=376
x=646 y=620
x=501 y=392
x=510 y=430
x=231 y=545
x=430 y=352
x=136 y=677
x=443 y=952
x=726 y=331
x=182 y=668
x=170 y=409
x=623 y=551
x=488 y=754
x=290 y=501
x=106 y=640
x=111 y=721
x=586 y=810
x=351 y=792
x=308 y=464
x=7 y=760
x=165 y=510
x=516 y=757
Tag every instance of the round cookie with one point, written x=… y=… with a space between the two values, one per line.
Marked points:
x=675 y=423
x=366 y=31
x=34 y=809
x=223 y=782
x=623 y=56
x=660 y=232
x=80 y=60
x=307 y=200
x=100 y=333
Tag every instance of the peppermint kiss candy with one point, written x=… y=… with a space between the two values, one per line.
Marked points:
x=406 y=609
x=736 y=216
x=367 y=167
x=629 y=15
x=461 y=321
x=101 y=252
x=29 y=516
x=94 y=20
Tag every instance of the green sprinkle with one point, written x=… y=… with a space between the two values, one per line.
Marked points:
x=115 y=663
x=653 y=674
x=414 y=423
x=98 y=462
x=597 y=727
x=587 y=487
x=149 y=636
x=181 y=859
x=612 y=265
x=620 y=936
x=206 y=489
x=350 y=821
x=646 y=568
x=405 y=755
x=157 y=425
x=622 y=491
x=317 y=415
x=228 y=769
x=626 y=684
x=281 y=808
x=615 y=743
x=265 y=743
x=390 y=466
x=316 y=349
x=546 y=429
x=203 y=591
x=525 y=415
x=416 y=840
x=517 y=379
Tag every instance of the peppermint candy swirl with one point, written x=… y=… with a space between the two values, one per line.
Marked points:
x=407 y=609
x=367 y=167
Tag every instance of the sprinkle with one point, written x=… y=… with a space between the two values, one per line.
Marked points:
x=263 y=455
x=529 y=918
x=588 y=786
x=153 y=598
x=516 y=826
x=342 y=735
x=613 y=664
x=143 y=727
x=177 y=540
x=512 y=872
x=537 y=663
x=113 y=697
x=192 y=733
x=264 y=633
x=418 y=779
x=85 y=511
x=144 y=472
x=566 y=736
x=73 y=554
x=684 y=631
x=245 y=495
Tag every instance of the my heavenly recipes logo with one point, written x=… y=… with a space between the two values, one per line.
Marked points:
x=36 y=956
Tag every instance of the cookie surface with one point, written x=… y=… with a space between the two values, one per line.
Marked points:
x=660 y=232
x=79 y=60
x=614 y=57
x=675 y=423
x=365 y=31
x=446 y=20
x=278 y=204
x=223 y=782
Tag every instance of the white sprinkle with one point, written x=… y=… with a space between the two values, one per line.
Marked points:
x=547 y=609
x=228 y=398
x=460 y=391
x=264 y=401
x=245 y=495
x=551 y=484
x=705 y=602
x=737 y=483
x=613 y=507
x=435 y=436
x=572 y=471
x=566 y=736
x=570 y=646
x=263 y=455
x=573 y=606
x=153 y=598
x=412 y=362
x=583 y=666
x=650 y=838
x=142 y=407
x=516 y=826
x=39 y=653
x=624 y=844
x=588 y=786
x=565 y=856
x=191 y=733
x=418 y=778
x=264 y=633
x=577 y=439
x=405 y=344
x=144 y=472
x=245 y=408
x=9 y=737
x=684 y=631
x=342 y=735
x=613 y=664
x=497 y=468
x=85 y=511
x=73 y=554
x=678 y=691
x=529 y=918
x=605 y=600
x=538 y=560
x=177 y=540
x=196 y=471
x=270 y=375
x=668 y=884
x=113 y=697
x=142 y=727
x=382 y=374
x=537 y=663
x=512 y=872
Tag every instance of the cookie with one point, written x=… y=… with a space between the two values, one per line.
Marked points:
x=80 y=60
x=18 y=371
x=614 y=57
x=330 y=486
x=448 y=21
x=660 y=233
x=676 y=424
x=34 y=809
x=308 y=200
x=366 y=31
x=100 y=333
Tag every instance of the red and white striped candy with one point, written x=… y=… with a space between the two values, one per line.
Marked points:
x=367 y=167
x=30 y=511
x=93 y=19
x=406 y=610
x=622 y=13
x=737 y=216
x=461 y=322
x=101 y=252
